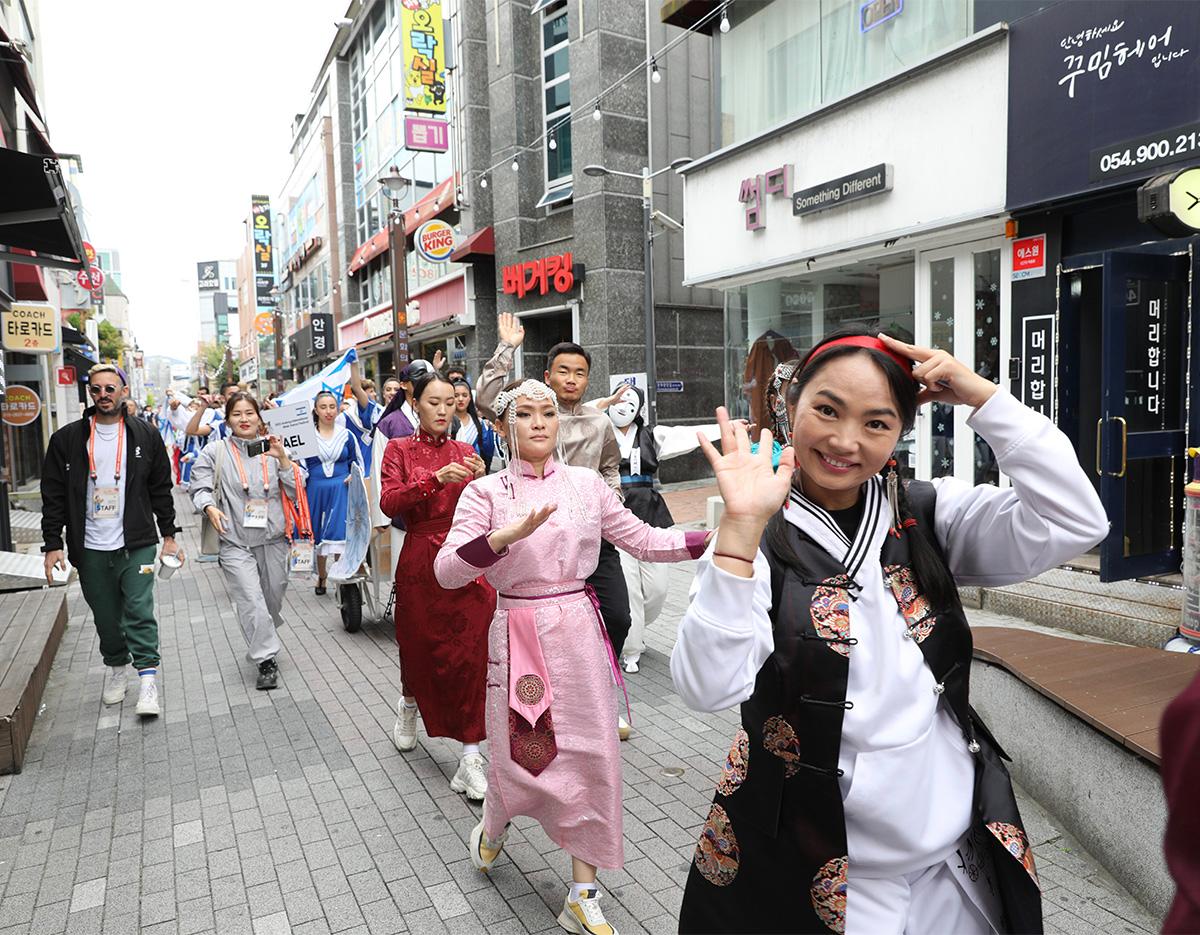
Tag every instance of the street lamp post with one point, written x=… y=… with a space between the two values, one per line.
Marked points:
x=396 y=185
x=646 y=178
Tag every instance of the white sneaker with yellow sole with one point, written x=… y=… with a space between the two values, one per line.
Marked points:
x=584 y=915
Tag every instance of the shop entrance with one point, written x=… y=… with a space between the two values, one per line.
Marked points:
x=1125 y=320
x=962 y=308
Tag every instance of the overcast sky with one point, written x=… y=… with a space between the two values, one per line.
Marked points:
x=181 y=112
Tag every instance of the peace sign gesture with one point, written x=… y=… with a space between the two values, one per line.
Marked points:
x=945 y=379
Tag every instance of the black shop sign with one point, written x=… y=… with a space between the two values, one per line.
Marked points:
x=873 y=181
x=1100 y=93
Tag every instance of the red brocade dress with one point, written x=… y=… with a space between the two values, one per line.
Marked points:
x=442 y=635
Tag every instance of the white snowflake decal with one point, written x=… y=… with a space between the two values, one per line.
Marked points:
x=994 y=341
x=937 y=316
x=941 y=426
x=989 y=319
x=945 y=462
x=979 y=303
x=994 y=286
x=979 y=332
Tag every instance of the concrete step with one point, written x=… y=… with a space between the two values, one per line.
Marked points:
x=1132 y=612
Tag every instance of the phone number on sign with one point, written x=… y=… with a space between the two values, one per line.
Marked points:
x=1147 y=152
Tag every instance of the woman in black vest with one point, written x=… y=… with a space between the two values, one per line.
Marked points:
x=863 y=794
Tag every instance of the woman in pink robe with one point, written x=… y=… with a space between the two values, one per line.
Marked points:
x=533 y=530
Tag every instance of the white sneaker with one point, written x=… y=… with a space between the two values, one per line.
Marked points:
x=630 y=664
x=404 y=734
x=116 y=684
x=147 y=705
x=483 y=851
x=623 y=728
x=471 y=777
x=584 y=916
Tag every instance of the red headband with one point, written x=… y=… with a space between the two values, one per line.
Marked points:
x=865 y=341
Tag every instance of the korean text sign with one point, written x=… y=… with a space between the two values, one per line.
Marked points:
x=31 y=328
x=260 y=220
x=557 y=272
x=424 y=56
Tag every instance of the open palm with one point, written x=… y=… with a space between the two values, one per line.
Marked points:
x=751 y=488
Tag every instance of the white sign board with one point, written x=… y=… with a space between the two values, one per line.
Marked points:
x=294 y=425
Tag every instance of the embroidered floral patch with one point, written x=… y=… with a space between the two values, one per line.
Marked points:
x=717 y=852
x=828 y=894
x=532 y=748
x=912 y=602
x=779 y=738
x=530 y=689
x=736 y=764
x=1013 y=839
x=830 y=610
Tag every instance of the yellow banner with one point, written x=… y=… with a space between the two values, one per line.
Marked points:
x=424 y=56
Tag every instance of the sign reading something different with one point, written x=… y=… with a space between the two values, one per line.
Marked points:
x=31 y=328
x=434 y=240
x=293 y=424
x=873 y=181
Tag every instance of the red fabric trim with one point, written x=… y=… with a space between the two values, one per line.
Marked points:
x=865 y=341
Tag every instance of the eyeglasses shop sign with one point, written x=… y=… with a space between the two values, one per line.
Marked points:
x=873 y=181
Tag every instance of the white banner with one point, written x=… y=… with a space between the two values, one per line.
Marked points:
x=294 y=425
x=332 y=377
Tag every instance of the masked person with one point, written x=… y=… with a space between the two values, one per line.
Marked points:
x=242 y=497
x=107 y=479
x=862 y=793
x=441 y=634
x=587 y=441
x=534 y=531
x=642 y=450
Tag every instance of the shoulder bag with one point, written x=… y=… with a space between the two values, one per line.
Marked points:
x=210 y=537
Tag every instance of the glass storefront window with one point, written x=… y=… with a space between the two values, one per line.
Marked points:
x=782 y=58
x=987 y=348
x=941 y=335
x=770 y=322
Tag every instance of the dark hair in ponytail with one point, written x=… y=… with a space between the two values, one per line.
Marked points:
x=317 y=399
x=471 y=410
x=933 y=578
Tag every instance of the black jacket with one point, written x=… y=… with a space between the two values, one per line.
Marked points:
x=147 y=487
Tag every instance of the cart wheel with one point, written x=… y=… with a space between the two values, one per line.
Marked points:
x=351 y=600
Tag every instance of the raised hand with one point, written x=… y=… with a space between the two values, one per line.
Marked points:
x=453 y=473
x=945 y=378
x=505 y=536
x=438 y=359
x=751 y=488
x=510 y=328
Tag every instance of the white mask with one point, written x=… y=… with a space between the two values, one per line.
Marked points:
x=625 y=410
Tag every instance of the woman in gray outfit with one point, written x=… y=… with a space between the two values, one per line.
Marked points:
x=240 y=495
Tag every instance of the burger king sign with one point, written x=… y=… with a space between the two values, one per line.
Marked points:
x=434 y=240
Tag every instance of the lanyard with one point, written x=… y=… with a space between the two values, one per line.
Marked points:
x=92 y=450
x=297 y=514
x=237 y=459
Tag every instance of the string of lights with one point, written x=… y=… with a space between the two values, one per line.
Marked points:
x=594 y=103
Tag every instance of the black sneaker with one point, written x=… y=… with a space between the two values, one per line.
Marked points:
x=268 y=675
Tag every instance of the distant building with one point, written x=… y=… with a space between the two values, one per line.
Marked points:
x=216 y=290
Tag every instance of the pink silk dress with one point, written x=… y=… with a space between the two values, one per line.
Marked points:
x=577 y=797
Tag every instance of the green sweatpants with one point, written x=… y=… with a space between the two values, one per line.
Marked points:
x=119 y=588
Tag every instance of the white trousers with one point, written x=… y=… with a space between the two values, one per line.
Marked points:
x=927 y=902
x=257 y=579
x=647 y=584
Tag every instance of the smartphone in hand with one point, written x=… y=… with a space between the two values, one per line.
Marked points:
x=256 y=448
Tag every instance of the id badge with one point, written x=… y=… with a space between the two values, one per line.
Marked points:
x=106 y=503
x=254 y=514
x=300 y=558
x=635 y=461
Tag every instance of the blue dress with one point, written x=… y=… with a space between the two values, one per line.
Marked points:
x=326 y=488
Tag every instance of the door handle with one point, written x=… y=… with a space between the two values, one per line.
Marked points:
x=1100 y=472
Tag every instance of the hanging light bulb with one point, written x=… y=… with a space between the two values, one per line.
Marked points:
x=654 y=73
x=596 y=115
x=724 y=19
x=483 y=182
x=553 y=144
x=515 y=165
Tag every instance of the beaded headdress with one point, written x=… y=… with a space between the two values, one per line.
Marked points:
x=505 y=408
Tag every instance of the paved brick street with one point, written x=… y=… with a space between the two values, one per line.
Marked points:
x=241 y=811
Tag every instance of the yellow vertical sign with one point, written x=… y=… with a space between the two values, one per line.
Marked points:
x=424 y=56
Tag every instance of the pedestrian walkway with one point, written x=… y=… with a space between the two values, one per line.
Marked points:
x=269 y=812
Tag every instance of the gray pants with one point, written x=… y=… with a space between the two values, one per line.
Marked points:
x=257 y=578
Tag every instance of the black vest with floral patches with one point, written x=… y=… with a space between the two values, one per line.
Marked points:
x=772 y=855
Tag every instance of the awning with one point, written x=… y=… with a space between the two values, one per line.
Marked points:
x=478 y=246
x=72 y=336
x=19 y=70
x=28 y=283
x=436 y=202
x=37 y=213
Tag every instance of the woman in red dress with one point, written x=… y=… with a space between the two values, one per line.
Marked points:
x=442 y=634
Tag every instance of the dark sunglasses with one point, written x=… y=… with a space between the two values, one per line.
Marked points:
x=103 y=390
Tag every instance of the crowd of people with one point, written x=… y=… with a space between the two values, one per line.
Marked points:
x=528 y=541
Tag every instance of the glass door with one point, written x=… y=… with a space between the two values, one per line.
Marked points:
x=1140 y=434
x=962 y=307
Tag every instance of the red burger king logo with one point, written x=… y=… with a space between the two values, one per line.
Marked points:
x=434 y=240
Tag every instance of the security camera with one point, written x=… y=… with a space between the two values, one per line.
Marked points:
x=665 y=220
x=342 y=23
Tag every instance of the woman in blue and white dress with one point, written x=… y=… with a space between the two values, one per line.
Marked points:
x=328 y=477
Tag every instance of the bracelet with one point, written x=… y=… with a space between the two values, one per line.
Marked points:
x=736 y=558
